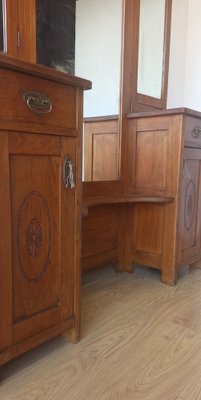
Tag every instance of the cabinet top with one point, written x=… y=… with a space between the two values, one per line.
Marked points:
x=40 y=71
x=171 y=111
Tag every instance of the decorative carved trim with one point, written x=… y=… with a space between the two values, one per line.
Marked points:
x=196 y=132
x=189 y=209
x=33 y=242
x=185 y=170
x=34 y=237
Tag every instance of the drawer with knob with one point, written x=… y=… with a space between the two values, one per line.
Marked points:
x=29 y=104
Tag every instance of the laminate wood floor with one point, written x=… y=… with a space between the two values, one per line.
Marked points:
x=141 y=341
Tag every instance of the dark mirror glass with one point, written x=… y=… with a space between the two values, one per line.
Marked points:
x=55 y=41
x=1 y=26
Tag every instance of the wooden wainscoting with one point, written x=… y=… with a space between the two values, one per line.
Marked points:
x=101 y=148
x=100 y=234
x=100 y=227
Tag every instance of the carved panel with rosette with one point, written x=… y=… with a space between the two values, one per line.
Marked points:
x=189 y=215
x=34 y=236
x=190 y=199
x=36 y=251
x=43 y=234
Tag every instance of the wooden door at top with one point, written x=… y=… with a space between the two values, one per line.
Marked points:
x=190 y=206
x=42 y=233
x=41 y=31
x=20 y=29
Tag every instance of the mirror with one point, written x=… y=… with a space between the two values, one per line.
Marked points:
x=150 y=50
x=98 y=58
x=151 y=54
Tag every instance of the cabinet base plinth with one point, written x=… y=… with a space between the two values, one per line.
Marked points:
x=30 y=343
x=72 y=334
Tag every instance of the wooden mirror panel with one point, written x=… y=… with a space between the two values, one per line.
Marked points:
x=156 y=42
x=150 y=47
x=132 y=100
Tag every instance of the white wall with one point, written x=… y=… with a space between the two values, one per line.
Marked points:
x=192 y=92
x=98 y=53
x=178 y=54
x=185 y=56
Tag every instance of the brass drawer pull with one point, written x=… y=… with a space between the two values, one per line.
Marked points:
x=68 y=174
x=37 y=102
x=196 y=132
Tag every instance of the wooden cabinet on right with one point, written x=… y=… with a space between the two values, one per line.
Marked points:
x=167 y=148
x=189 y=221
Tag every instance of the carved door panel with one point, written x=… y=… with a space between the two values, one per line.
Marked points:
x=43 y=218
x=6 y=336
x=189 y=211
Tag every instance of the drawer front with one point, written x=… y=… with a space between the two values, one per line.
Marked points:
x=28 y=103
x=192 y=131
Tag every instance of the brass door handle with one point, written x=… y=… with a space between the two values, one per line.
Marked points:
x=37 y=102
x=68 y=174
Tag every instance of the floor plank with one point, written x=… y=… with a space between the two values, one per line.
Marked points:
x=141 y=341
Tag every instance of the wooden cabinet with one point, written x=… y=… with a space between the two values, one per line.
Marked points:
x=158 y=219
x=166 y=151
x=40 y=151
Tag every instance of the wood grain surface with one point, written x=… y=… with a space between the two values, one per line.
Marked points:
x=101 y=149
x=140 y=341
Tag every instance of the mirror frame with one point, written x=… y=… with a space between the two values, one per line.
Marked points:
x=142 y=98
x=132 y=100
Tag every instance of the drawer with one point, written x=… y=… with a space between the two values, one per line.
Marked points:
x=192 y=131
x=48 y=107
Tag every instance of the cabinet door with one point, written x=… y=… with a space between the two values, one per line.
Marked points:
x=42 y=233
x=27 y=30
x=18 y=25
x=190 y=206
